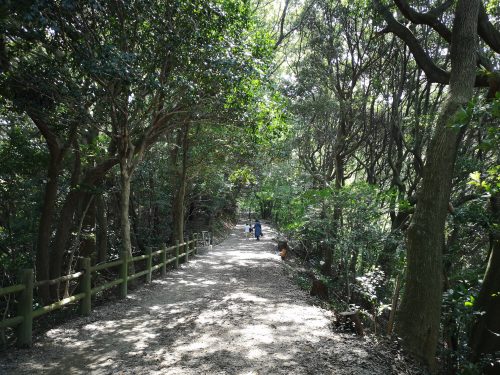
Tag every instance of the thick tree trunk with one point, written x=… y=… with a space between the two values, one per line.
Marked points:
x=485 y=335
x=419 y=316
x=45 y=225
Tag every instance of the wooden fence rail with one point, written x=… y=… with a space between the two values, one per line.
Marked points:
x=23 y=321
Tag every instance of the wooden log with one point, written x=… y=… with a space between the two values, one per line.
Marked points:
x=149 y=264
x=163 y=260
x=25 y=309
x=186 y=249
x=86 y=287
x=124 y=275
x=352 y=316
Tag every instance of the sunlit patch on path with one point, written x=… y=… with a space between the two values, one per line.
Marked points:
x=229 y=311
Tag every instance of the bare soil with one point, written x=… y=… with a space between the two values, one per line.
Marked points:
x=231 y=310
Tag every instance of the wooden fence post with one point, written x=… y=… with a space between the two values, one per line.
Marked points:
x=86 y=286
x=25 y=308
x=177 y=254
x=149 y=264
x=187 y=248
x=124 y=274
x=164 y=260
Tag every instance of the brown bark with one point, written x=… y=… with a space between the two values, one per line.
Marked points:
x=419 y=316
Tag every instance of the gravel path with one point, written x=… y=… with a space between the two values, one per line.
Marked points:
x=229 y=311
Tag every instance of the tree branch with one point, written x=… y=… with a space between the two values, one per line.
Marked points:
x=487 y=31
x=434 y=73
x=430 y=18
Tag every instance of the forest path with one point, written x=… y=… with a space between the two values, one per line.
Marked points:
x=229 y=311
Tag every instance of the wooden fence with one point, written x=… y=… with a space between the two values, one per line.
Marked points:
x=23 y=321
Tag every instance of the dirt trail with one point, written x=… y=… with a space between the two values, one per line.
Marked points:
x=229 y=311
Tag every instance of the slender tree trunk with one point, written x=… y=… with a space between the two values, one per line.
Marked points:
x=387 y=256
x=135 y=225
x=180 y=194
x=326 y=269
x=485 y=334
x=124 y=206
x=178 y=212
x=88 y=231
x=102 y=230
x=419 y=316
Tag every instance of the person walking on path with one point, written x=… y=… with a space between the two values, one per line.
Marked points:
x=257 y=227
x=247 y=231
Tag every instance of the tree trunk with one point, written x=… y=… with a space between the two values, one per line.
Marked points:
x=102 y=230
x=88 y=233
x=135 y=225
x=178 y=212
x=63 y=232
x=386 y=258
x=326 y=269
x=92 y=178
x=485 y=335
x=180 y=194
x=45 y=226
x=124 y=206
x=419 y=316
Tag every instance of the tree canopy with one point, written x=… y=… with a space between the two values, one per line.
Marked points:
x=366 y=131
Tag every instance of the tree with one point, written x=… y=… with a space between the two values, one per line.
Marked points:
x=419 y=315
